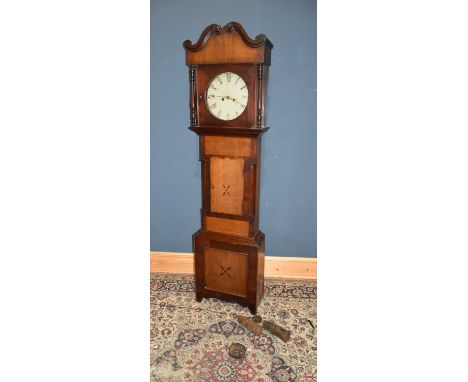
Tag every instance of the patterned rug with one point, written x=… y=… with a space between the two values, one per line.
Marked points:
x=190 y=340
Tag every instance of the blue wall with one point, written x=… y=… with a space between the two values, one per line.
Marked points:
x=288 y=212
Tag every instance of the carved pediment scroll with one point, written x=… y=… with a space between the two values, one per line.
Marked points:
x=228 y=44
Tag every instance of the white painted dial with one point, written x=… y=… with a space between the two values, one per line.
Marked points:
x=227 y=96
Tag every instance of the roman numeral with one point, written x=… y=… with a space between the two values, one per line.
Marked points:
x=213 y=106
x=219 y=113
x=243 y=87
x=228 y=77
x=212 y=87
x=219 y=79
x=238 y=78
x=227 y=116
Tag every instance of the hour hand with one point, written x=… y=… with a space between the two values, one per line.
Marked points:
x=233 y=99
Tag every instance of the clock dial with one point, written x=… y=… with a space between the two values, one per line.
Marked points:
x=227 y=96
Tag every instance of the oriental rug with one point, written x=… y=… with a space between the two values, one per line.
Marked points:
x=190 y=340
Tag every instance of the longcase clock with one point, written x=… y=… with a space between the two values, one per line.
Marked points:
x=228 y=75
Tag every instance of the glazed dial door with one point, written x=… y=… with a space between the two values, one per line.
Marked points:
x=227 y=96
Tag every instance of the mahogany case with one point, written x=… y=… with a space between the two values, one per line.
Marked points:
x=229 y=248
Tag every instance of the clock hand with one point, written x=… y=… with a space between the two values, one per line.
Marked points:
x=227 y=97
x=233 y=99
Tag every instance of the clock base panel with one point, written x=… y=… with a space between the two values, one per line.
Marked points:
x=230 y=268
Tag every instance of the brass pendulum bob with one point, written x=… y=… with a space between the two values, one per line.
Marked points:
x=237 y=350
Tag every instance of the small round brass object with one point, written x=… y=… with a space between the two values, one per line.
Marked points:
x=237 y=350
x=256 y=319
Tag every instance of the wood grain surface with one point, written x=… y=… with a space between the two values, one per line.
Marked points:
x=275 y=267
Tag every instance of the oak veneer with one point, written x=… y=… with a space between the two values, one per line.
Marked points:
x=233 y=146
x=227 y=226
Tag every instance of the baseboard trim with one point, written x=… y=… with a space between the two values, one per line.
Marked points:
x=275 y=267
